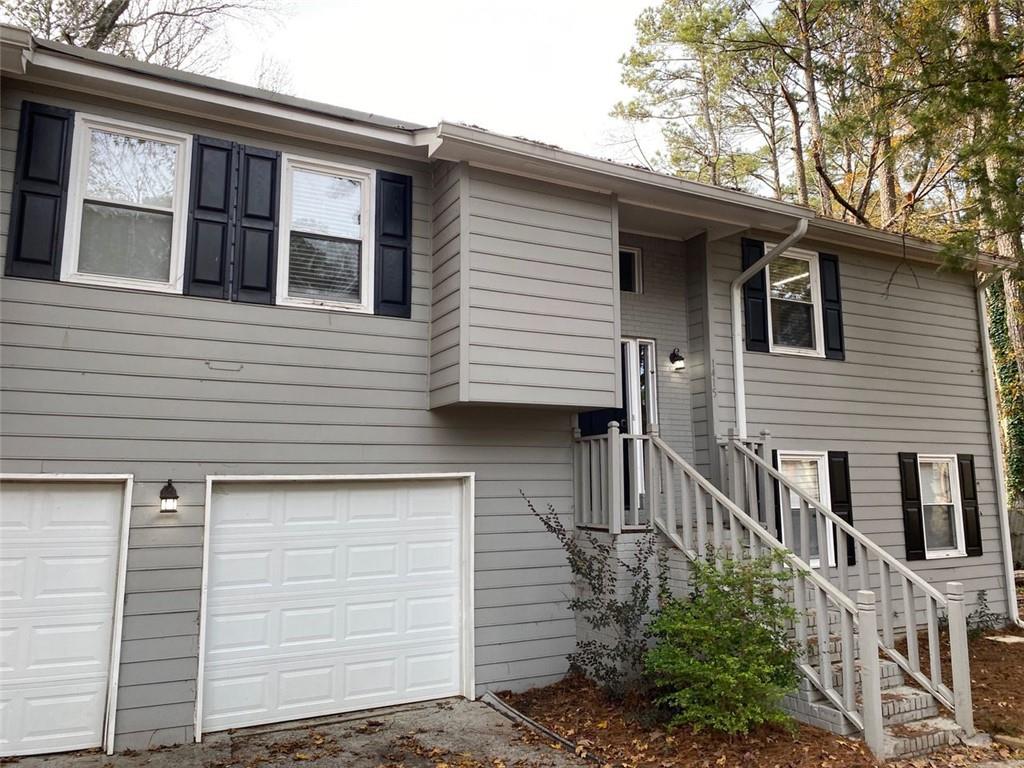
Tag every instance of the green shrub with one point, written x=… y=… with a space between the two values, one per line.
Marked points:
x=723 y=659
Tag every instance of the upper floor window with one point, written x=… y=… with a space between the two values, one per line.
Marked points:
x=940 y=506
x=126 y=206
x=325 y=250
x=794 y=297
x=630 y=270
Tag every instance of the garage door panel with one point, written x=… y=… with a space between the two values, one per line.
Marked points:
x=332 y=596
x=304 y=686
x=58 y=569
x=281 y=625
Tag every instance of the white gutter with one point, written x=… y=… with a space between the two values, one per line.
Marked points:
x=738 y=376
x=995 y=436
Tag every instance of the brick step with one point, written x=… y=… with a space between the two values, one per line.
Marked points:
x=904 y=704
x=891 y=676
x=920 y=737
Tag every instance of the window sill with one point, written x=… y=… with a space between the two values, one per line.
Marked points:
x=795 y=352
x=944 y=555
x=105 y=281
x=330 y=306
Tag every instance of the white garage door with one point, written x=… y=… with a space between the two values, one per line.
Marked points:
x=59 y=547
x=330 y=596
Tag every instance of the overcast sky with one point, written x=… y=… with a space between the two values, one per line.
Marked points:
x=543 y=69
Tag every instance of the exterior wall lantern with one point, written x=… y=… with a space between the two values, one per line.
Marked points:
x=676 y=360
x=169 y=498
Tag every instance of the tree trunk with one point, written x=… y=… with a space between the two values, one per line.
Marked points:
x=813 y=112
x=1008 y=244
x=799 y=169
x=105 y=23
x=887 y=175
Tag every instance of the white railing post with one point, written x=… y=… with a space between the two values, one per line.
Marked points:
x=959 y=654
x=614 y=479
x=577 y=472
x=731 y=460
x=870 y=672
x=768 y=488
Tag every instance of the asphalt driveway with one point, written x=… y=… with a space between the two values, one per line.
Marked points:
x=454 y=733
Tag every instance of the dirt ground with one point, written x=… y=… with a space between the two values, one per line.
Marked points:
x=997 y=674
x=576 y=710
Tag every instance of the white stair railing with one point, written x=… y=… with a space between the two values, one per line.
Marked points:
x=751 y=479
x=695 y=515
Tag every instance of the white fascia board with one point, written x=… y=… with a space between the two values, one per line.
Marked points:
x=101 y=79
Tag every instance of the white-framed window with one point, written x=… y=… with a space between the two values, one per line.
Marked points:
x=127 y=205
x=794 y=304
x=941 y=508
x=325 y=256
x=631 y=270
x=808 y=471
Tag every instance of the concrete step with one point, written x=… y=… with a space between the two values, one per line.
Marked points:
x=920 y=736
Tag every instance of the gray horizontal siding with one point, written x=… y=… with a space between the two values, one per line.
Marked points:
x=912 y=380
x=446 y=339
x=99 y=380
x=660 y=313
x=539 y=281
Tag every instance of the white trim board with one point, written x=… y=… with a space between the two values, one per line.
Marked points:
x=466 y=561
x=128 y=481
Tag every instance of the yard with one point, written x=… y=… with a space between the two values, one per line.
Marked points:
x=628 y=733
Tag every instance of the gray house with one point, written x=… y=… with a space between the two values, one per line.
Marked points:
x=275 y=374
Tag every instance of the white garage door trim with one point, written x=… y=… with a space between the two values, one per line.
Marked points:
x=466 y=562
x=110 y=714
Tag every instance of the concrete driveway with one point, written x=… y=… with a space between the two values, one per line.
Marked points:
x=454 y=733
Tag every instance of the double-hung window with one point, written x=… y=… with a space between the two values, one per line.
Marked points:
x=126 y=208
x=940 y=506
x=808 y=471
x=794 y=297
x=326 y=232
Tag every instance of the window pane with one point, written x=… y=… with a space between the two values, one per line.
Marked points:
x=792 y=324
x=939 y=530
x=804 y=475
x=326 y=205
x=125 y=243
x=125 y=169
x=645 y=377
x=325 y=270
x=627 y=271
x=790 y=279
x=936 y=482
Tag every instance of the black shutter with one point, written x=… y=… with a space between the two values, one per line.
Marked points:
x=393 y=289
x=969 y=504
x=255 y=265
x=755 y=299
x=39 y=199
x=832 y=307
x=210 y=214
x=841 y=501
x=913 y=521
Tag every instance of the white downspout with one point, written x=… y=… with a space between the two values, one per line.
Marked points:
x=738 y=376
x=995 y=437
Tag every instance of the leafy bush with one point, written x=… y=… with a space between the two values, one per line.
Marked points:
x=617 y=661
x=723 y=658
